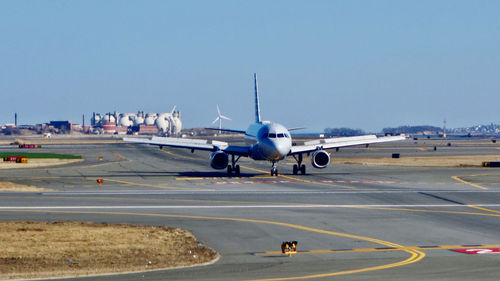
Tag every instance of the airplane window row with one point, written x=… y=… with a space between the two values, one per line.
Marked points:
x=273 y=135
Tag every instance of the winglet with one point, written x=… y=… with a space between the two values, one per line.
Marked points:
x=257 y=104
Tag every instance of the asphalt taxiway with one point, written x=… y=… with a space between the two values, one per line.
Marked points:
x=352 y=222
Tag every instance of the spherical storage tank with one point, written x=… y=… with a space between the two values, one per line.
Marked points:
x=176 y=125
x=139 y=121
x=97 y=118
x=125 y=121
x=162 y=123
x=150 y=120
x=108 y=118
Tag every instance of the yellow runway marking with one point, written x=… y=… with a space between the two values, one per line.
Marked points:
x=147 y=184
x=432 y=211
x=301 y=180
x=179 y=156
x=367 y=250
x=118 y=155
x=469 y=183
x=483 y=209
x=416 y=255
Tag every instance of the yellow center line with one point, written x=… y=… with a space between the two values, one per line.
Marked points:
x=366 y=250
x=431 y=211
x=178 y=156
x=468 y=183
x=483 y=209
x=301 y=180
x=416 y=255
x=148 y=185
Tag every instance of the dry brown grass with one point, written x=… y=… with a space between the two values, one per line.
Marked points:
x=11 y=186
x=42 y=250
x=423 y=161
x=37 y=163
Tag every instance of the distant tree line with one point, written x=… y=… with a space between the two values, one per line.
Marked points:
x=343 y=132
x=411 y=130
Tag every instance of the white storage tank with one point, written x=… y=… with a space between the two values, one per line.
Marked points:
x=125 y=120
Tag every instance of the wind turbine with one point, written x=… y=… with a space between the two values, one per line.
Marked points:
x=219 y=118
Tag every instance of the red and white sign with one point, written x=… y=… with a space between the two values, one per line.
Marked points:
x=478 y=251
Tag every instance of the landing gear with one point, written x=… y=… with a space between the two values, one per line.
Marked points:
x=274 y=170
x=302 y=169
x=233 y=167
x=299 y=167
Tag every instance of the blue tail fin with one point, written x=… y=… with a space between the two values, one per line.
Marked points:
x=257 y=104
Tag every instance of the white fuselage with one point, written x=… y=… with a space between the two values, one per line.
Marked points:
x=269 y=141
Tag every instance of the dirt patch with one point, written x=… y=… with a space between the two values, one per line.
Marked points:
x=11 y=186
x=423 y=161
x=42 y=250
x=37 y=163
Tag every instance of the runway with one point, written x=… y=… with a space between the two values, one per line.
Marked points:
x=352 y=222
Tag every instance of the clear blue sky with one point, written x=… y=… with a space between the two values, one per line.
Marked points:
x=360 y=64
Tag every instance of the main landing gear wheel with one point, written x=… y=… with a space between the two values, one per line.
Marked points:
x=233 y=169
x=299 y=167
x=296 y=169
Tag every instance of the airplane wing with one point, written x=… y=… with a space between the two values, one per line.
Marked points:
x=226 y=130
x=194 y=144
x=341 y=142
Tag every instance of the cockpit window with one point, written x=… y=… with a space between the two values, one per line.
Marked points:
x=272 y=135
x=286 y=136
x=281 y=135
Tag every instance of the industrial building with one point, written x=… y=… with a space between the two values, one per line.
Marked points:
x=166 y=124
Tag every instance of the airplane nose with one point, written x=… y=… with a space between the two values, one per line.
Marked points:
x=281 y=148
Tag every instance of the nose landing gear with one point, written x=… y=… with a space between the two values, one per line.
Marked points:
x=274 y=169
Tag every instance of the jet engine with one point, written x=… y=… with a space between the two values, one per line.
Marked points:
x=219 y=160
x=320 y=159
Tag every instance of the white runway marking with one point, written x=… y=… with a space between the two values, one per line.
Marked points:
x=241 y=206
x=256 y=192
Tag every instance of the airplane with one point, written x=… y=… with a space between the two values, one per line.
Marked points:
x=267 y=141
